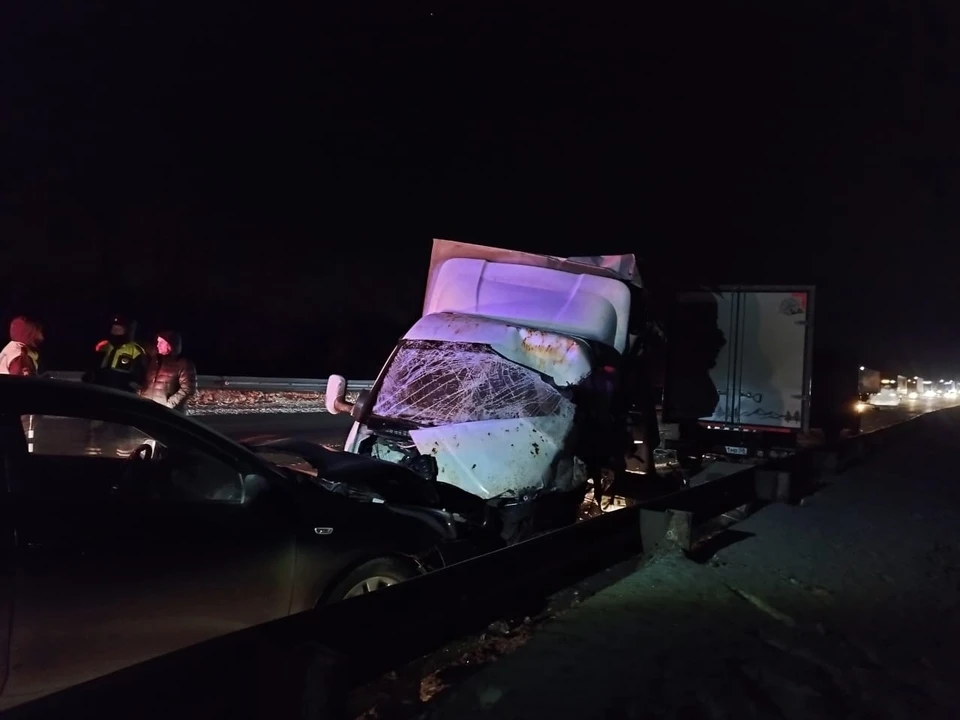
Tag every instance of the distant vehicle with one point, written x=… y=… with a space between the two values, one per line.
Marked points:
x=887 y=397
x=133 y=531
x=915 y=388
x=869 y=382
x=892 y=385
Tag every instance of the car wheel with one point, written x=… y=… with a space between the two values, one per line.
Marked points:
x=372 y=576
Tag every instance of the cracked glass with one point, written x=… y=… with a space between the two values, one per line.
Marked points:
x=433 y=383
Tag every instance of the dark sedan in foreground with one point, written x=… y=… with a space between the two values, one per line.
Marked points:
x=129 y=530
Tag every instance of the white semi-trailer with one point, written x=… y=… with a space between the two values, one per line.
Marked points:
x=769 y=385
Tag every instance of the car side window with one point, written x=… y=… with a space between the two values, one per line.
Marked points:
x=84 y=457
x=194 y=476
x=62 y=436
x=74 y=459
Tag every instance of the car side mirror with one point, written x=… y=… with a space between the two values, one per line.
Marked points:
x=335 y=398
x=253 y=486
x=360 y=406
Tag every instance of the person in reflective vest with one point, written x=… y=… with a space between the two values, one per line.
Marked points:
x=21 y=355
x=119 y=361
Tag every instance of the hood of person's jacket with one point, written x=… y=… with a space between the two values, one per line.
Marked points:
x=175 y=340
x=26 y=331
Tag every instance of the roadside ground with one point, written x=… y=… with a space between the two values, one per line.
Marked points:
x=844 y=607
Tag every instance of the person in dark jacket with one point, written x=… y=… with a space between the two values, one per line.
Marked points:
x=21 y=356
x=120 y=362
x=171 y=378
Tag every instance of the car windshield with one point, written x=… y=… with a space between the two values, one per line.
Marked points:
x=431 y=383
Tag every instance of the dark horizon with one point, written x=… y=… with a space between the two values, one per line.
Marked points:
x=268 y=181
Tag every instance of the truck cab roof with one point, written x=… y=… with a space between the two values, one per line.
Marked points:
x=587 y=298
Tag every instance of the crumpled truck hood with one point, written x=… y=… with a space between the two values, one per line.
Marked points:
x=504 y=458
x=490 y=401
x=386 y=481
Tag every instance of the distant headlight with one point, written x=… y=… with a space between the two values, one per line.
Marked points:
x=861 y=406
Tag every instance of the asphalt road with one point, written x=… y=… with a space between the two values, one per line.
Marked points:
x=875 y=418
x=846 y=607
x=332 y=429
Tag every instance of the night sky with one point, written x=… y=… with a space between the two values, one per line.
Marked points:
x=267 y=177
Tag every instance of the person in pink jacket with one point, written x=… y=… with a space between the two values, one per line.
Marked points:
x=21 y=356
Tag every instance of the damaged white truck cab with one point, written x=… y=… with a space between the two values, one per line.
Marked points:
x=484 y=392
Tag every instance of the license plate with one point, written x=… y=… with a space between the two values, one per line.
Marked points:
x=734 y=450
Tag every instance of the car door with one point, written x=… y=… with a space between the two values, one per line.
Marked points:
x=11 y=442
x=121 y=557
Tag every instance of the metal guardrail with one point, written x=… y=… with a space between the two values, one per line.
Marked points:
x=304 y=665
x=261 y=384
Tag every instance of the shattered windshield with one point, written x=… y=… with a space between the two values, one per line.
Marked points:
x=433 y=383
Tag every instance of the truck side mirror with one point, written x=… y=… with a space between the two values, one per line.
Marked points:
x=359 y=408
x=335 y=398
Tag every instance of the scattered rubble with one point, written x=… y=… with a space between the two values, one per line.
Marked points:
x=402 y=695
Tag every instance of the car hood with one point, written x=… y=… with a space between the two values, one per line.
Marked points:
x=359 y=476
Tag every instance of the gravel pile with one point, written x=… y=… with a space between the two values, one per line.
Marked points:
x=245 y=402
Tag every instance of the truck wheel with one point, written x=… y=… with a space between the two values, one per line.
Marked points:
x=372 y=576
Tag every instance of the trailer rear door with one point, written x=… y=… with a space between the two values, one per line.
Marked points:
x=740 y=356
